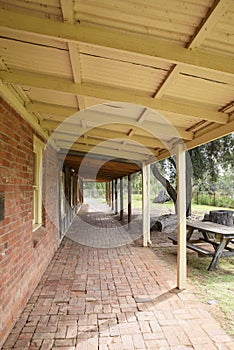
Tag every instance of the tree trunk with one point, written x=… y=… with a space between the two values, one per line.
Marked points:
x=171 y=191
x=166 y=184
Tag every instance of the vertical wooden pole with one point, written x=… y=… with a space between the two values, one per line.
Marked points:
x=81 y=191
x=107 y=192
x=129 y=199
x=112 y=194
x=109 y=199
x=121 y=199
x=145 y=204
x=116 y=196
x=181 y=210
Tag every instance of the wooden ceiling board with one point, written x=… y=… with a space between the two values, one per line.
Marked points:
x=160 y=19
x=33 y=39
x=217 y=93
x=128 y=57
x=222 y=36
x=121 y=74
x=174 y=56
x=100 y=169
x=36 y=58
x=50 y=97
x=41 y=8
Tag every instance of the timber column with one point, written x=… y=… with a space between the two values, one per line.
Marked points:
x=116 y=196
x=121 y=200
x=181 y=211
x=129 y=199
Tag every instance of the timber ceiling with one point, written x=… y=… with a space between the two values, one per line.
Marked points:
x=121 y=79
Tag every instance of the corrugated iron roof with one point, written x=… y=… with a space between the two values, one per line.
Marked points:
x=132 y=59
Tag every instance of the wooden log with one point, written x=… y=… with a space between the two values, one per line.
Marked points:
x=223 y=217
x=164 y=222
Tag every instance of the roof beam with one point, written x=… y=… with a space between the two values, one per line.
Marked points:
x=111 y=93
x=68 y=17
x=104 y=151
x=213 y=15
x=92 y=141
x=130 y=42
x=10 y=97
x=90 y=161
x=72 y=133
x=163 y=127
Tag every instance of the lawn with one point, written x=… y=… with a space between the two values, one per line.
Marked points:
x=214 y=288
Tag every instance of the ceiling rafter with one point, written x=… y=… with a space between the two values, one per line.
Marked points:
x=103 y=134
x=112 y=143
x=111 y=93
x=106 y=144
x=214 y=13
x=68 y=17
x=105 y=151
x=123 y=41
x=100 y=118
x=11 y=98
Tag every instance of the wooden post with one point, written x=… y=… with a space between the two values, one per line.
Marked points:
x=121 y=200
x=112 y=194
x=109 y=194
x=129 y=199
x=81 y=190
x=145 y=204
x=181 y=210
x=116 y=196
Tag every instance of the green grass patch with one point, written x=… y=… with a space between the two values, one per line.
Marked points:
x=212 y=287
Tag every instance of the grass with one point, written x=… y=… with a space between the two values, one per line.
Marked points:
x=214 y=288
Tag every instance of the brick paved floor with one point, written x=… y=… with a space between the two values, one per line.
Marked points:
x=113 y=298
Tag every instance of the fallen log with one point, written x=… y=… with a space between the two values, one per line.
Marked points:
x=164 y=222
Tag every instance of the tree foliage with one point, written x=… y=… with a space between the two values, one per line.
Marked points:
x=205 y=167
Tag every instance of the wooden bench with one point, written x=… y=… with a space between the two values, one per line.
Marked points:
x=219 y=236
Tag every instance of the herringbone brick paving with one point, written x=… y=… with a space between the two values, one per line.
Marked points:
x=113 y=299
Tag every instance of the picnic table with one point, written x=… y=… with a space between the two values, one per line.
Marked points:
x=220 y=237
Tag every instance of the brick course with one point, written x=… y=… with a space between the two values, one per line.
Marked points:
x=21 y=263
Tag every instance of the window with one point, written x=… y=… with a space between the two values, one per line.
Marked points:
x=38 y=147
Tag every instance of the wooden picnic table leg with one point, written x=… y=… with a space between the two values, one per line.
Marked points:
x=217 y=254
x=189 y=233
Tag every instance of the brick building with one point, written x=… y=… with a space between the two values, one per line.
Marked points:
x=141 y=83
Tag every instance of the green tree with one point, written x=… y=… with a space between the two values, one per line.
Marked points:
x=204 y=166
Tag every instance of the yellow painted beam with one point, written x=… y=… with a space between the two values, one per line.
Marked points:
x=49 y=108
x=111 y=93
x=72 y=132
x=92 y=141
x=8 y=95
x=130 y=42
x=213 y=16
x=212 y=134
x=104 y=151
x=163 y=128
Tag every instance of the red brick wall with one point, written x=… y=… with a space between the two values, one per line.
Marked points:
x=22 y=262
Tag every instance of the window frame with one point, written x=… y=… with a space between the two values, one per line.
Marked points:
x=38 y=148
